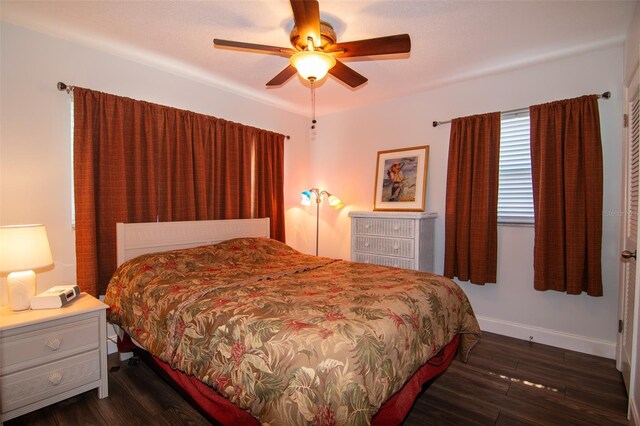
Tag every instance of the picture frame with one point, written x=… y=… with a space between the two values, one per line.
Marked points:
x=401 y=179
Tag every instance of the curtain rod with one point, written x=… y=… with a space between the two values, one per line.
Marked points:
x=605 y=95
x=63 y=87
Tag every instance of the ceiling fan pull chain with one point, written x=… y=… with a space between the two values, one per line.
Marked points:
x=313 y=105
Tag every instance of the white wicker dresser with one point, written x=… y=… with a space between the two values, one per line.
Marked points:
x=398 y=239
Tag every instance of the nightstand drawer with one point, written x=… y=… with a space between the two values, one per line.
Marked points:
x=27 y=387
x=387 y=246
x=383 y=227
x=395 y=262
x=22 y=350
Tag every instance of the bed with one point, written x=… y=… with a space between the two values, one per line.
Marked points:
x=256 y=332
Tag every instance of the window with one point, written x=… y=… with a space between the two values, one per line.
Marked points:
x=515 y=190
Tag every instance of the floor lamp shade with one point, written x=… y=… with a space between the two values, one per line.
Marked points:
x=23 y=248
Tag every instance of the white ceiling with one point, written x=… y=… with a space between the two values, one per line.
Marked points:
x=451 y=40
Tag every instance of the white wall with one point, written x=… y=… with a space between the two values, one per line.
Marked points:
x=344 y=153
x=35 y=157
x=631 y=44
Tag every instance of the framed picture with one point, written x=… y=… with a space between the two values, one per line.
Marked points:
x=401 y=179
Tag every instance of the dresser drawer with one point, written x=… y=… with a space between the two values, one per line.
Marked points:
x=383 y=227
x=20 y=350
x=387 y=246
x=395 y=262
x=41 y=382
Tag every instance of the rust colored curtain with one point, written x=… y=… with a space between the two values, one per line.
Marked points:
x=115 y=174
x=269 y=180
x=471 y=219
x=136 y=161
x=566 y=164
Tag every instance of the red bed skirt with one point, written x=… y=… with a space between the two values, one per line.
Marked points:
x=218 y=408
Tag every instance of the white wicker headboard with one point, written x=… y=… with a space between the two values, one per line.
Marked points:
x=135 y=239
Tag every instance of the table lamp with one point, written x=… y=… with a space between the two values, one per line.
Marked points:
x=23 y=248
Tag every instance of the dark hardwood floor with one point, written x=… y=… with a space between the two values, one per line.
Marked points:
x=506 y=382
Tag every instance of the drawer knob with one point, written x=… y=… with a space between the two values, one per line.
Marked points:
x=54 y=343
x=366 y=244
x=367 y=226
x=396 y=247
x=55 y=377
x=395 y=228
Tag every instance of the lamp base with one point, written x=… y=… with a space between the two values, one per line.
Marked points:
x=22 y=287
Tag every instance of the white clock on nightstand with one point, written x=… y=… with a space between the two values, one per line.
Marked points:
x=49 y=355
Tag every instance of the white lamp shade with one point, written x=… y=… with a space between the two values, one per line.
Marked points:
x=24 y=247
x=312 y=65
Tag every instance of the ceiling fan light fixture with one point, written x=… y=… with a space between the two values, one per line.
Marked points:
x=312 y=65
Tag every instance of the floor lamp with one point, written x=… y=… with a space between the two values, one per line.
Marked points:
x=334 y=202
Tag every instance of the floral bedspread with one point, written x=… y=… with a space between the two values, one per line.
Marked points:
x=292 y=338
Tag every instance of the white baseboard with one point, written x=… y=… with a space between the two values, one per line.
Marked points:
x=546 y=336
x=112 y=346
x=112 y=338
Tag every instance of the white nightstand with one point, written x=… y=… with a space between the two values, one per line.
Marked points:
x=49 y=355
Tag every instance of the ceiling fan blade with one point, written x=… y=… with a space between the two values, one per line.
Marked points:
x=306 y=14
x=399 y=43
x=282 y=76
x=263 y=48
x=347 y=75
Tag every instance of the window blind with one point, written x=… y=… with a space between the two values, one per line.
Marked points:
x=515 y=190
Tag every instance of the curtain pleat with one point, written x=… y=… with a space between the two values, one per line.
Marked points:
x=232 y=171
x=269 y=180
x=471 y=216
x=136 y=161
x=184 y=137
x=566 y=162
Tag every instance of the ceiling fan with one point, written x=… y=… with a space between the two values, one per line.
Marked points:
x=316 y=49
